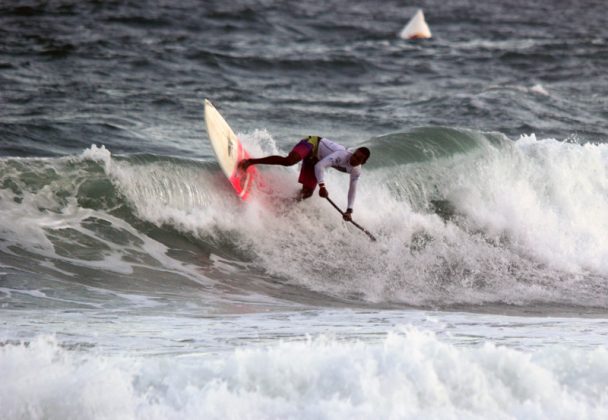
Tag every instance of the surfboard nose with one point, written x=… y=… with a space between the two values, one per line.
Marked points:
x=229 y=151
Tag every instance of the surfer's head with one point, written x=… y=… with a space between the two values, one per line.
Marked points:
x=359 y=156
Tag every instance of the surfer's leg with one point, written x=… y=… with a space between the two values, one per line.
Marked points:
x=300 y=151
x=307 y=178
x=291 y=159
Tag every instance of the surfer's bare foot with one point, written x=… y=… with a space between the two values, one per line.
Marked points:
x=244 y=164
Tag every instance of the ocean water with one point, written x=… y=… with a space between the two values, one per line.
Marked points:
x=135 y=285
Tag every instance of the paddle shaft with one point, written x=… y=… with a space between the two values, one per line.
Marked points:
x=372 y=237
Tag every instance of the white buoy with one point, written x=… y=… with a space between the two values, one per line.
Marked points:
x=416 y=28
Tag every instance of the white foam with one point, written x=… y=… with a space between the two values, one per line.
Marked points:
x=529 y=210
x=164 y=193
x=549 y=198
x=406 y=374
x=538 y=88
x=526 y=210
x=100 y=154
x=259 y=143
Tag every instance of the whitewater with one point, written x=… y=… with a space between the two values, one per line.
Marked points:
x=471 y=218
x=170 y=298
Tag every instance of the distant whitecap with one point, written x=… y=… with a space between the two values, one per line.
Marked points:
x=538 y=88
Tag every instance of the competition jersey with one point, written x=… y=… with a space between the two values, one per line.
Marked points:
x=335 y=155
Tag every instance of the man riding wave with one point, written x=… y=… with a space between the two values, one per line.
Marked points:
x=317 y=154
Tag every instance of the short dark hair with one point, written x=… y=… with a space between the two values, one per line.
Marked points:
x=366 y=152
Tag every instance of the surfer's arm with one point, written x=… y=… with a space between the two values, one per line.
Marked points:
x=320 y=167
x=352 y=191
x=323 y=164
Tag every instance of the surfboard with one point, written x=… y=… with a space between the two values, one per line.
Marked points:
x=229 y=151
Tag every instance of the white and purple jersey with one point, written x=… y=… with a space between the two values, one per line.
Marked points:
x=335 y=155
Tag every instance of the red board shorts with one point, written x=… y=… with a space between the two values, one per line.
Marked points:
x=307 y=174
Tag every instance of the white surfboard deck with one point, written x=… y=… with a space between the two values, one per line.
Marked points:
x=228 y=151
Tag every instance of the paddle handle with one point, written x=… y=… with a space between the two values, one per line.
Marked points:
x=368 y=233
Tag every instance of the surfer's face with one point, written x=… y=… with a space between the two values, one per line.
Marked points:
x=358 y=158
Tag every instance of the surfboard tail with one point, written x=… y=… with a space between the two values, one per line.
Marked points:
x=242 y=181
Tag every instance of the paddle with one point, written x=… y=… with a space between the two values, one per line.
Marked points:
x=372 y=237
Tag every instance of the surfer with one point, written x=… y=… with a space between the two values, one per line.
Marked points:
x=317 y=154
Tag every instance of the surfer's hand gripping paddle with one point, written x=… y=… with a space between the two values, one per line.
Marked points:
x=348 y=216
x=372 y=237
x=323 y=192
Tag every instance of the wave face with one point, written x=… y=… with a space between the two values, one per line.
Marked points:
x=462 y=217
